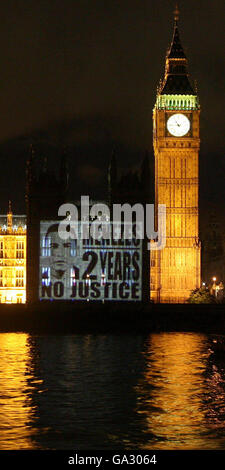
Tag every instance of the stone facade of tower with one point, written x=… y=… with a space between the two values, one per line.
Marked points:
x=175 y=270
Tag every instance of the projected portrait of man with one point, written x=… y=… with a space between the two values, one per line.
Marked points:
x=62 y=254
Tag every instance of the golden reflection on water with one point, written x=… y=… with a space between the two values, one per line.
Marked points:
x=15 y=409
x=170 y=394
x=47 y=385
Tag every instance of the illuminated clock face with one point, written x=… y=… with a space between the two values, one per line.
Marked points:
x=178 y=125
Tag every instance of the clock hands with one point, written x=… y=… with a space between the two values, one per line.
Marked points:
x=178 y=125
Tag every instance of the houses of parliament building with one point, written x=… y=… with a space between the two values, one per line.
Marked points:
x=173 y=271
x=12 y=258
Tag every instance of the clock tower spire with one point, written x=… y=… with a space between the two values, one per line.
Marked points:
x=176 y=77
x=176 y=14
x=175 y=270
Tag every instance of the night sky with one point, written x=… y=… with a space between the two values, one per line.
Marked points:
x=83 y=73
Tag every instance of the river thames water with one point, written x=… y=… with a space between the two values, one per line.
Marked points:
x=159 y=391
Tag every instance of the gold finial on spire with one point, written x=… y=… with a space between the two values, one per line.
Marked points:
x=176 y=13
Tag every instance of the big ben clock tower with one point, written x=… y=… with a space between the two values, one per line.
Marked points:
x=175 y=270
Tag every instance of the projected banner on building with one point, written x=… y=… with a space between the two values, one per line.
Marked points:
x=77 y=269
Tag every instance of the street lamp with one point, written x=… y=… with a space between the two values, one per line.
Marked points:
x=213 y=292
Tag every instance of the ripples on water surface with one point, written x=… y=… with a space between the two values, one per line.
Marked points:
x=162 y=391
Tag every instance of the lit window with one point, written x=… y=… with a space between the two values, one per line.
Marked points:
x=20 y=249
x=1 y=249
x=46 y=243
x=1 y=278
x=72 y=277
x=45 y=274
x=73 y=247
x=19 y=278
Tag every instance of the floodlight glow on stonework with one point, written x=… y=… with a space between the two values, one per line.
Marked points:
x=12 y=258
